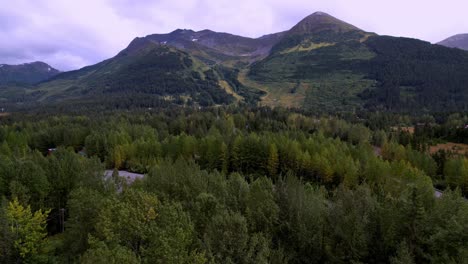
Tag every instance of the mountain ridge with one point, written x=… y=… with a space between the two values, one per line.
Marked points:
x=457 y=41
x=320 y=64
x=26 y=73
x=218 y=42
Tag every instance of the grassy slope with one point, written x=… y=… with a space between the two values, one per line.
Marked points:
x=345 y=72
x=313 y=73
x=277 y=94
x=126 y=71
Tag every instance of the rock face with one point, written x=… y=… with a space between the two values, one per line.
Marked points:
x=212 y=42
x=458 y=41
x=27 y=73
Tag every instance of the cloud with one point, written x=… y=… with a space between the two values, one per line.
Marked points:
x=71 y=34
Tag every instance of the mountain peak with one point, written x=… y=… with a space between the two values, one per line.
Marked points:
x=182 y=31
x=26 y=73
x=320 y=13
x=321 y=21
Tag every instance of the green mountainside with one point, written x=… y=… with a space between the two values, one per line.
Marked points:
x=153 y=69
x=27 y=73
x=149 y=72
x=322 y=64
x=338 y=67
x=17 y=80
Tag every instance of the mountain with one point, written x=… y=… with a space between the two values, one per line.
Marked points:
x=223 y=43
x=319 y=22
x=213 y=47
x=183 y=66
x=322 y=64
x=145 y=73
x=309 y=67
x=458 y=41
x=27 y=73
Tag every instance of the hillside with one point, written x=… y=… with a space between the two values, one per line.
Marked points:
x=27 y=73
x=458 y=41
x=144 y=74
x=324 y=143
x=213 y=47
x=322 y=64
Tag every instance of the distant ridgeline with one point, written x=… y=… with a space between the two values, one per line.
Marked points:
x=27 y=73
x=322 y=64
x=459 y=41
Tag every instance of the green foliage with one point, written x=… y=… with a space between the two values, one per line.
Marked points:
x=302 y=219
x=403 y=255
x=84 y=206
x=28 y=230
x=250 y=95
x=349 y=74
x=100 y=253
x=456 y=172
x=227 y=238
x=413 y=74
x=228 y=185
x=261 y=211
x=352 y=209
x=173 y=238
x=273 y=161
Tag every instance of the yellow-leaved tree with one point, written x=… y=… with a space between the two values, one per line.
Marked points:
x=27 y=228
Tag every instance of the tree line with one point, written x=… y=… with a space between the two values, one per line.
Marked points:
x=224 y=185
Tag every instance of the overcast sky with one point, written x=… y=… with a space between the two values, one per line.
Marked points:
x=69 y=34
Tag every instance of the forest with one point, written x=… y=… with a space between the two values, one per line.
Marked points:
x=382 y=73
x=231 y=185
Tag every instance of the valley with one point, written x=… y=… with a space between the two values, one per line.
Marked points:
x=322 y=143
x=321 y=64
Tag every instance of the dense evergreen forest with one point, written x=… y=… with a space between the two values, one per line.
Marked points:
x=231 y=185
